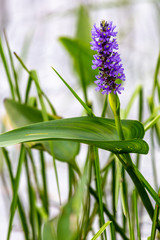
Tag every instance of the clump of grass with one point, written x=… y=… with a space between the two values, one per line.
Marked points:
x=42 y=129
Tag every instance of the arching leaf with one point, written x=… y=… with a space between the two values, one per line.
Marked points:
x=96 y=131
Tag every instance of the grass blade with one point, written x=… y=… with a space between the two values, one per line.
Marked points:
x=136 y=214
x=15 y=193
x=34 y=169
x=152 y=123
x=44 y=180
x=155 y=219
x=147 y=186
x=134 y=95
x=99 y=187
x=28 y=88
x=89 y=111
x=19 y=204
x=31 y=201
x=7 y=70
x=118 y=228
x=13 y=69
x=101 y=230
x=155 y=83
x=113 y=167
x=117 y=181
x=34 y=76
x=112 y=230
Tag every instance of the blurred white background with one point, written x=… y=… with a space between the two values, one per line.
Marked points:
x=42 y=22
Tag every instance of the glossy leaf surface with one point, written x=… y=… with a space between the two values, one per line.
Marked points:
x=96 y=131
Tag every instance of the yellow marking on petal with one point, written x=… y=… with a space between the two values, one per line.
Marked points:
x=33 y=134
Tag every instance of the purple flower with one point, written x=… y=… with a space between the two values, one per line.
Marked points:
x=107 y=59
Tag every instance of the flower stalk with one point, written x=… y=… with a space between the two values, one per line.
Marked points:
x=111 y=74
x=115 y=106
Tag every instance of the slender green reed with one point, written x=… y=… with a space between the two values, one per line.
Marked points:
x=93 y=191
x=15 y=191
x=6 y=67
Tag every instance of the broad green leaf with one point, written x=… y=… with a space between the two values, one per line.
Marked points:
x=64 y=226
x=83 y=25
x=82 y=57
x=96 y=131
x=49 y=229
x=83 y=34
x=68 y=224
x=21 y=115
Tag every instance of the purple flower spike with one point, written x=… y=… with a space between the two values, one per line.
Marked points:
x=107 y=59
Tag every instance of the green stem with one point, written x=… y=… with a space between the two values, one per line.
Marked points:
x=147 y=185
x=141 y=190
x=113 y=188
x=104 y=107
x=87 y=207
x=5 y=64
x=156 y=75
x=152 y=123
x=112 y=230
x=34 y=76
x=119 y=126
x=126 y=159
x=21 y=62
x=31 y=201
x=15 y=192
x=89 y=224
x=153 y=160
x=115 y=106
x=19 y=204
x=136 y=213
x=44 y=180
x=99 y=187
x=34 y=169
x=13 y=69
x=155 y=219
x=110 y=216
